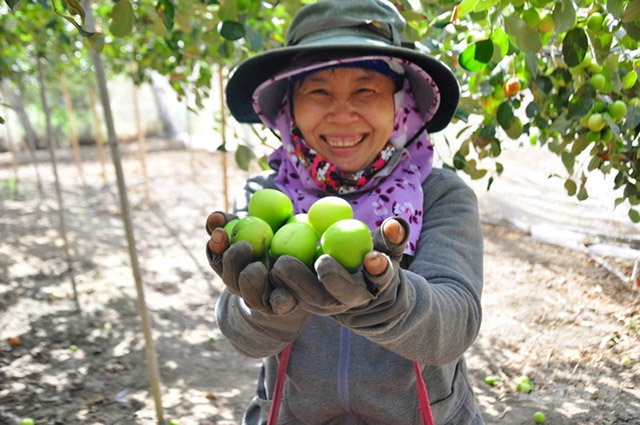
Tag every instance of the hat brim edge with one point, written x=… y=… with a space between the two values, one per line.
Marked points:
x=259 y=68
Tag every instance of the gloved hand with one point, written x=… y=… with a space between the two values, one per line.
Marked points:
x=243 y=277
x=352 y=298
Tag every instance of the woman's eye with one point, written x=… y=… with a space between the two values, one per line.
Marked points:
x=318 y=91
x=365 y=91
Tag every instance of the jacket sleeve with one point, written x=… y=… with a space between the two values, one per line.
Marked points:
x=444 y=280
x=251 y=333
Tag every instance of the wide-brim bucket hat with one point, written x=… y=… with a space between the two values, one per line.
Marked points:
x=331 y=30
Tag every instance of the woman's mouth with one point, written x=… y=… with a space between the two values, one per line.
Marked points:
x=343 y=142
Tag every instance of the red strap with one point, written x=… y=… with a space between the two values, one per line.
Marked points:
x=277 y=390
x=423 y=397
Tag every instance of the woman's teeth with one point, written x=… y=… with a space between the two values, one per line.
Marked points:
x=343 y=143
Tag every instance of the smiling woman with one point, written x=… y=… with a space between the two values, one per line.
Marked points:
x=353 y=104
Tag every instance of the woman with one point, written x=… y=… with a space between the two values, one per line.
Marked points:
x=353 y=105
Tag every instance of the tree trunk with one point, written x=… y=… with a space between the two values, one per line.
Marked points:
x=18 y=107
x=141 y=145
x=165 y=118
x=72 y=125
x=14 y=158
x=223 y=135
x=52 y=157
x=154 y=374
x=97 y=131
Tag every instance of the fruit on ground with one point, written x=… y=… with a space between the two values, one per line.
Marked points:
x=596 y=122
x=254 y=230
x=491 y=379
x=525 y=384
x=511 y=87
x=295 y=239
x=348 y=241
x=539 y=417
x=617 y=109
x=27 y=421
x=272 y=206
x=328 y=210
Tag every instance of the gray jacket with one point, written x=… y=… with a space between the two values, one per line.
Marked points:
x=337 y=375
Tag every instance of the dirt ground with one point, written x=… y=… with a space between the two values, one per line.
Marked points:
x=549 y=313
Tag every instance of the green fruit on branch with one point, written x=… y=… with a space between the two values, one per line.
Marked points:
x=348 y=241
x=596 y=122
x=254 y=230
x=511 y=87
x=594 y=22
x=531 y=17
x=629 y=80
x=546 y=24
x=598 y=81
x=617 y=109
x=326 y=211
x=272 y=206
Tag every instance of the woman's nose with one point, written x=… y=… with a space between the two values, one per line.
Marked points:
x=343 y=113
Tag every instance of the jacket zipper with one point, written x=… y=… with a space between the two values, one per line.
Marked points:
x=343 y=372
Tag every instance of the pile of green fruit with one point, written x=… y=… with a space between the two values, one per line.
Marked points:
x=273 y=230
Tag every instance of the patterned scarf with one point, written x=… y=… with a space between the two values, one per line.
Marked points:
x=390 y=186
x=328 y=177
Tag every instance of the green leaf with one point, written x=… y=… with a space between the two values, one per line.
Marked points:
x=634 y=215
x=477 y=55
x=581 y=102
x=632 y=29
x=500 y=43
x=568 y=160
x=122 y=18
x=615 y=7
x=564 y=16
x=232 y=30
x=504 y=115
x=167 y=12
x=12 y=3
x=515 y=130
x=1 y=120
x=96 y=41
x=631 y=12
x=575 y=46
x=459 y=161
x=527 y=39
x=478 y=174
x=469 y=6
x=571 y=187
x=244 y=156
x=582 y=193
x=632 y=119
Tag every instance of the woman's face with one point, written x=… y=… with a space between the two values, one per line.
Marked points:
x=345 y=114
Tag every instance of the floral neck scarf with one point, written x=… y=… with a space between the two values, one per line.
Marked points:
x=328 y=177
x=395 y=189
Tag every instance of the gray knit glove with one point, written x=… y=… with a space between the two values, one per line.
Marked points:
x=246 y=278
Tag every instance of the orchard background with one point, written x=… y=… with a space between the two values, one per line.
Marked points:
x=548 y=127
